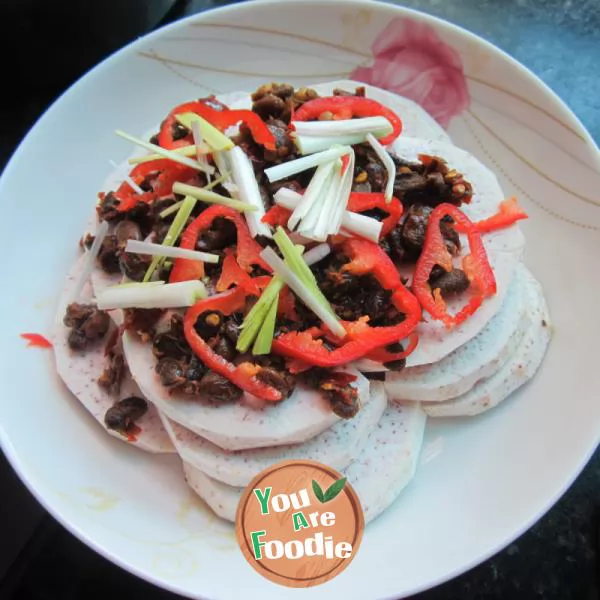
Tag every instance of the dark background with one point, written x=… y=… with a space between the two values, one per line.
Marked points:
x=46 y=46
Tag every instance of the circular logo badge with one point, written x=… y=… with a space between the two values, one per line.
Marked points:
x=299 y=523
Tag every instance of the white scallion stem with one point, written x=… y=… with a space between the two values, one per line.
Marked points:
x=341 y=200
x=365 y=125
x=132 y=184
x=211 y=197
x=202 y=160
x=222 y=163
x=150 y=249
x=311 y=144
x=299 y=288
x=170 y=209
x=355 y=223
x=248 y=191
x=361 y=225
x=287 y=169
x=389 y=165
x=164 y=153
x=314 y=255
x=89 y=262
x=315 y=188
x=169 y=295
x=189 y=151
x=317 y=221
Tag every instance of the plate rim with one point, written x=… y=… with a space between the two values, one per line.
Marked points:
x=58 y=511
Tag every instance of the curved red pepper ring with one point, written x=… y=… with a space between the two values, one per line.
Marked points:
x=168 y=173
x=346 y=107
x=221 y=119
x=247 y=252
x=509 y=212
x=381 y=355
x=165 y=135
x=361 y=201
x=361 y=338
x=244 y=374
x=475 y=265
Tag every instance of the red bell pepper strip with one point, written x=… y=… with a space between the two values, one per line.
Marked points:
x=362 y=201
x=232 y=274
x=346 y=107
x=36 y=340
x=295 y=366
x=244 y=374
x=475 y=265
x=168 y=173
x=277 y=216
x=361 y=338
x=221 y=119
x=367 y=257
x=381 y=355
x=508 y=214
x=247 y=252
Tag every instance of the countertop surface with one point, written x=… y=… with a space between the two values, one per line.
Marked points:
x=558 y=558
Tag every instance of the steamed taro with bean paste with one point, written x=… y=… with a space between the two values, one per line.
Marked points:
x=297 y=273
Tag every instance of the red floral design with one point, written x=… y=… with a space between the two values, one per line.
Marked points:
x=412 y=61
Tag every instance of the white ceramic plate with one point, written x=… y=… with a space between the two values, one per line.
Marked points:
x=481 y=482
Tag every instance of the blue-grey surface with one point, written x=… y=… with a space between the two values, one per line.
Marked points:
x=558 y=39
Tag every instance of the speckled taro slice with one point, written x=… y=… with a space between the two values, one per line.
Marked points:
x=514 y=373
x=80 y=371
x=382 y=470
x=479 y=358
x=247 y=423
x=389 y=462
x=504 y=249
x=336 y=447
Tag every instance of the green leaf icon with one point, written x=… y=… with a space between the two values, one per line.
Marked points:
x=318 y=491
x=335 y=489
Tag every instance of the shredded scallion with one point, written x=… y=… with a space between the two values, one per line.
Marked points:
x=388 y=163
x=169 y=295
x=150 y=249
x=293 y=167
x=334 y=128
x=163 y=152
x=212 y=136
x=211 y=197
x=264 y=339
x=189 y=151
x=255 y=318
x=248 y=191
x=354 y=223
x=174 y=232
x=313 y=300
